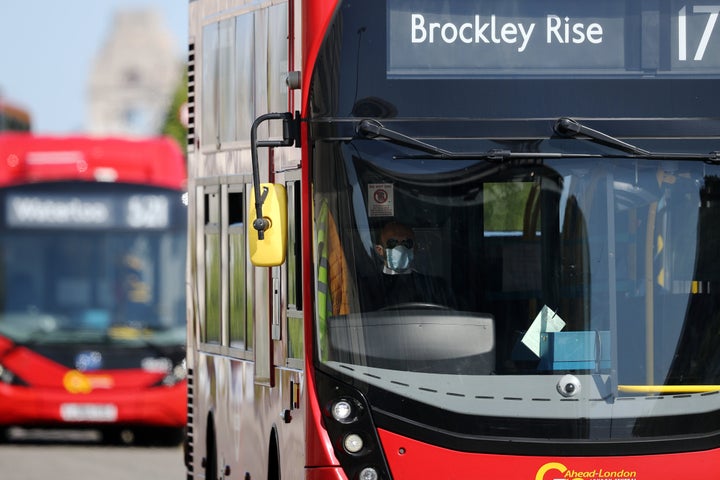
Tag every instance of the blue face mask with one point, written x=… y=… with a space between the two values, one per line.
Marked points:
x=399 y=258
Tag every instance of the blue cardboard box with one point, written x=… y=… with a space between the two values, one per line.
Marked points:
x=586 y=350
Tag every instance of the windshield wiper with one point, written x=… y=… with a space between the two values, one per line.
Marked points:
x=568 y=127
x=372 y=129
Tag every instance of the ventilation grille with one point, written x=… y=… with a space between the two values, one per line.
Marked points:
x=189 y=433
x=191 y=98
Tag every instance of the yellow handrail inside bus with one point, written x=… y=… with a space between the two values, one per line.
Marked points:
x=668 y=388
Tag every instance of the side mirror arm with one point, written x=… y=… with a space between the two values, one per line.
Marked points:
x=291 y=136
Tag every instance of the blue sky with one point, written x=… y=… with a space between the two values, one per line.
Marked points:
x=47 y=48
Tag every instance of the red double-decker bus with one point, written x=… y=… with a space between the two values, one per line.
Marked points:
x=454 y=239
x=92 y=297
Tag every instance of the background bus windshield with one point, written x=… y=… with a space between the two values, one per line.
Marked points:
x=82 y=263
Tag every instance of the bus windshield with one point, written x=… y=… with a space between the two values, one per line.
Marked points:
x=77 y=266
x=603 y=270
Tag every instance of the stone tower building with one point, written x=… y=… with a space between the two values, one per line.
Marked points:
x=133 y=76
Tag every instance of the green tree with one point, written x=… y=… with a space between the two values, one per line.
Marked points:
x=505 y=206
x=173 y=125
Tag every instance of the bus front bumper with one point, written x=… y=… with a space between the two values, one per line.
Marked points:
x=159 y=406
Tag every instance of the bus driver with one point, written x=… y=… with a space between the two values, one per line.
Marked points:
x=400 y=284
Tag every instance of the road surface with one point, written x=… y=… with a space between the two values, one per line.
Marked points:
x=63 y=456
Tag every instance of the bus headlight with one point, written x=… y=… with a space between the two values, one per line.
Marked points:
x=343 y=411
x=349 y=424
x=368 y=473
x=353 y=443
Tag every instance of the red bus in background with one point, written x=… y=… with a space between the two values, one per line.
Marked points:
x=550 y=306
x=92 y=259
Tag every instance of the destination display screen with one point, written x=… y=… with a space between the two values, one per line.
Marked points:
x=515 y=38
x=66 y=210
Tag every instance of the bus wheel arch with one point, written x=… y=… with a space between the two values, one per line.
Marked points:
x=273 y=456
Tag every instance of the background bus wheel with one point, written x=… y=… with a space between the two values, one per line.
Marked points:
x=127 y=436
x=118 y=436
x=170 y=437
x=157 y=436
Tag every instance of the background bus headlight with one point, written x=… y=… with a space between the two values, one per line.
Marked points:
x=176 y=375
x=8 y=377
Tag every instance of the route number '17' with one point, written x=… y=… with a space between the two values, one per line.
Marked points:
x=713 y=10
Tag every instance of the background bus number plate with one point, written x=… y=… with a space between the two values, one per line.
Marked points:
x=88 y=412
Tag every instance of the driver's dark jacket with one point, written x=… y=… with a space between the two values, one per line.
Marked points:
x=384 y=290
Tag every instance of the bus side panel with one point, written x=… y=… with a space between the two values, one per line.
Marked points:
x=244 y=417
x=254 y=431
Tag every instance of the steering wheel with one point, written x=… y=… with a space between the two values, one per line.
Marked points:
x=415 y=306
